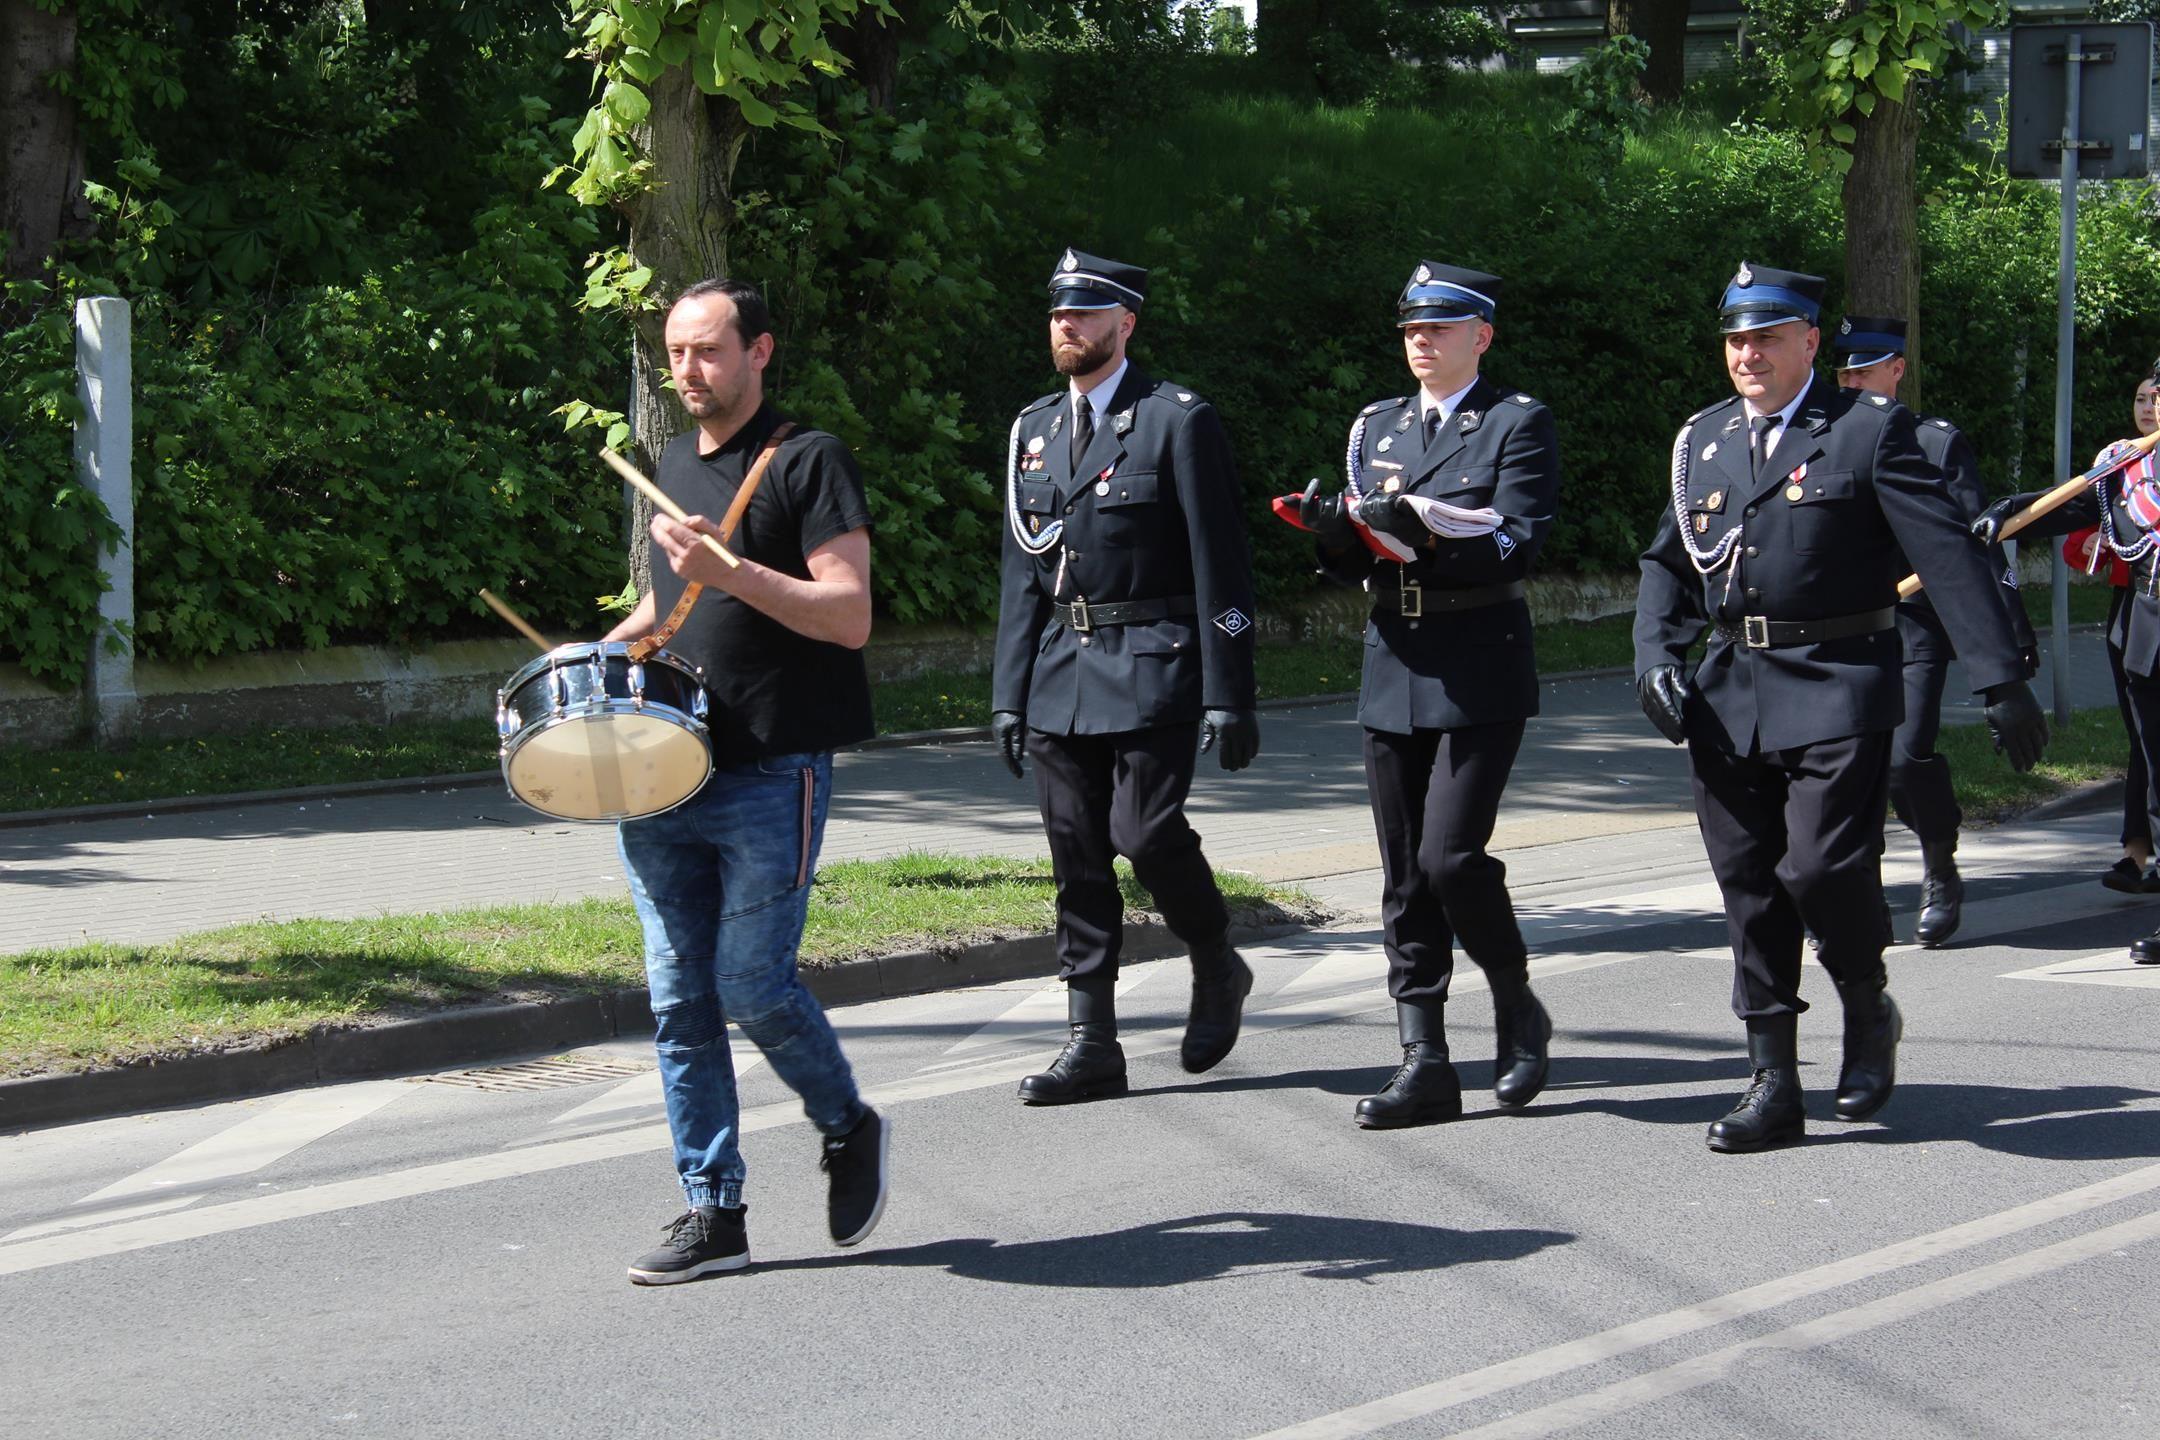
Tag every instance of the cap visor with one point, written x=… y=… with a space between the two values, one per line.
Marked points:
x=1759 y=320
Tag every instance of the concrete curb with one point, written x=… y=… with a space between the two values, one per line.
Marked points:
x=2070 y=802
x=477 y=1033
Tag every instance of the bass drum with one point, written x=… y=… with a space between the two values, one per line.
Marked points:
x=590 y=734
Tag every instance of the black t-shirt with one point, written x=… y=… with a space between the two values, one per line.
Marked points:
x=773 y=691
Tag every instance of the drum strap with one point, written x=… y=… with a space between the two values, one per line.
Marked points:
x=642 y=650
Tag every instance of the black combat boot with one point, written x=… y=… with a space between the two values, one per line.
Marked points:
x=1942 y=892
x=1424 y=1091
x=1873 y=1028
x=1772 y=1112
x=1220 y=982
x=1525 y=1036
x=1092 y=1064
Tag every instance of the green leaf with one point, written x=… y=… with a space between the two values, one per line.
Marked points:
x=1891 y=81
x=673 y=49
x=642 y=65
x=1864 y=102
x=756 y=111
x=627 y=103
x=1843 y=133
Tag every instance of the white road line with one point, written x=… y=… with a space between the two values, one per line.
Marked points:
x=260 y=1140
x=1040 y=1014
x=2109 y=967
x=1637 y=1335
x=642 y=1091
x=1701 y=1370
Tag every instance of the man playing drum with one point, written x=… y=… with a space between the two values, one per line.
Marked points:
x=722 y=882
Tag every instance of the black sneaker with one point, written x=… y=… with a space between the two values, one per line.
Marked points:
x=2125 y=877
x=703 y=1241
x=856 y=1163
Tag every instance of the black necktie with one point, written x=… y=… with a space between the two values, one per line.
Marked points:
x=1761 y=428
x=1432 y=425
x=1083 y=431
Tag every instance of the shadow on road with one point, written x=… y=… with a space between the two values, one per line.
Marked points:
x=1212 y=1247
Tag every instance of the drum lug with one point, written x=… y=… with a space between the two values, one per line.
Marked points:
x=557 y=691
x=637 y=686
x=505 y=723
x=697 y=704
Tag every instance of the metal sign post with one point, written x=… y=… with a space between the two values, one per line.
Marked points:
x=2098 y=80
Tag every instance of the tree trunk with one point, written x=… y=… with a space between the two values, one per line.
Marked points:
x=678 y=228
x=1662 y=25
x=41 y=160
x=1882 y=263
x=872 y=48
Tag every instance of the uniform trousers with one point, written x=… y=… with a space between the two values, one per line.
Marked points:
x=1108 y=795
x=2141 y=694
x=1920 y=787
x=1435 y=797
x=2138 y=802
x=1795 y=839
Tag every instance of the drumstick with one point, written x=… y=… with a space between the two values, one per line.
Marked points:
x=2055 y=499
x=517 y=621
x=664 y=505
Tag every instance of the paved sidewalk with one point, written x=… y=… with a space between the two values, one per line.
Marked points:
x=1590 y=766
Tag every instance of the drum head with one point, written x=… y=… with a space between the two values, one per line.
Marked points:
x=613 y=766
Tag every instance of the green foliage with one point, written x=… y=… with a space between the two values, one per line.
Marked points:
x=54 y=534
x=1603 y=87
x=750 y=55
x=884 y=253
x=1846 y=59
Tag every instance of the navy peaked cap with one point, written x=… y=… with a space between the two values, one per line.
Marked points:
x=1440 y=294
x=1089 y=282
x=1760 y=296
x=1864 y=340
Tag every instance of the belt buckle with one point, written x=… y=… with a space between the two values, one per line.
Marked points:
x=1755 y=630
x=1413 y=599
x=1079 y=611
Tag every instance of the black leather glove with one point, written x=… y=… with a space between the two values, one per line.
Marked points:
x=2017 y=722
x=1239 y=731
x=1009 y=728
x=1989 y=526
x=1664 y=695
x=1326 y=517
x=1390 y=516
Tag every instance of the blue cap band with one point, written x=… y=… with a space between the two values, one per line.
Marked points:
x=1792 y=300
x=1442 y=293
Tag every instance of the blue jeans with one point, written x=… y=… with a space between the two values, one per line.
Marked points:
x=721 y=884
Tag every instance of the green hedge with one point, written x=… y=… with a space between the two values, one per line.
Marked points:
x=345 y=446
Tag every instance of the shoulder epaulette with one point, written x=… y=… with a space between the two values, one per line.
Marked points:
x=1169 y=390
x=1940 y=423
x=1051 y=399
x=1519 y=398
x=1707 y=409
x=1378 y=405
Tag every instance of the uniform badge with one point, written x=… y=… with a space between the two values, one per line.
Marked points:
x=1385 y=442
x=1424 y=274
x=1709 y=450
x=1233 y=622
x=1035 y=524
x=1184 y=397
x=1942 y=424
x=1057 y=424
x=1470 y=421
x=1878 y=399
x=1795 y=492
x=1732 y=424
x=1524 y=400
x=1844 y=327
x=1102 y=487
x=1068 y=261
x=1505 y=541
x=1122 y=423
x=1715 y=500
x=1035 y=445
x=1702 y=524
x=1746 y=276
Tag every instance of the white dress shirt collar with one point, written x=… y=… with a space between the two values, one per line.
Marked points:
x=1784 y=416
x=1101 y=396
x=1447 y=405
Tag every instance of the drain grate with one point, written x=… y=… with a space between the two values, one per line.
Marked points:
x=557 y=1072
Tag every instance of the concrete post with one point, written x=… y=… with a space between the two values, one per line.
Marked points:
x=104 y=450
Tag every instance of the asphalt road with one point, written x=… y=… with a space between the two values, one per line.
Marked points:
x=1222 y=1255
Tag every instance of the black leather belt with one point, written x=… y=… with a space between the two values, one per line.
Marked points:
x=1413 y=599
x=1083 y=616
x=1757 y=632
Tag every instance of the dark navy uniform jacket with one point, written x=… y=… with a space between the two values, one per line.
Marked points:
x=2136 y=629
x=1450 y=668
x=1154 y=513
x=1818 y=536
x=1919 y=627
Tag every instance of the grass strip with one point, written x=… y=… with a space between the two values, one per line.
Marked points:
x=2091 y=747
x=95 y=1005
